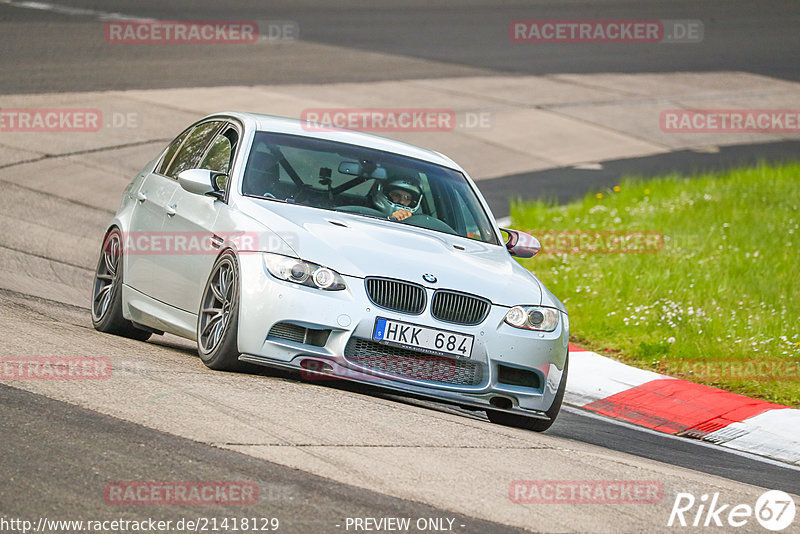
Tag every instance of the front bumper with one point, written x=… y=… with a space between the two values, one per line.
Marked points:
x=336 y=319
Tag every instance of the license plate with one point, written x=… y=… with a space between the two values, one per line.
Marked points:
x=422 y=338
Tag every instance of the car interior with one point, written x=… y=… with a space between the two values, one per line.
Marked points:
x=340 y=177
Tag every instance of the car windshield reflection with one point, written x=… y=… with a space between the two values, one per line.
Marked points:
x=351 y=179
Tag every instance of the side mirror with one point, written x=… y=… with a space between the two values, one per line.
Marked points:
x=202 y=182
x=521 y=245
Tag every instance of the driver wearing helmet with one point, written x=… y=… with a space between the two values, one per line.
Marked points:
x=399 y=198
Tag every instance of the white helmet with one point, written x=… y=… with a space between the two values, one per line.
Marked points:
x=390 y=194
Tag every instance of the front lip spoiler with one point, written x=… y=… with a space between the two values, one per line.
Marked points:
x=385 y=384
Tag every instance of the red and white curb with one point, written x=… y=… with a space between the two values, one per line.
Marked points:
x=682 y=408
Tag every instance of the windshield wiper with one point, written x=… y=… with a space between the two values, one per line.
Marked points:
x=361 y=214
x=273 y=199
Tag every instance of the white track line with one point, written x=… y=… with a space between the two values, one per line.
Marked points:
x=75 y=11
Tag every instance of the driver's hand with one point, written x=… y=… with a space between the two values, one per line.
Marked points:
x=401 y=214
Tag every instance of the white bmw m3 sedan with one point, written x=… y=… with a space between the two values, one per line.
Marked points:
x=337 y=254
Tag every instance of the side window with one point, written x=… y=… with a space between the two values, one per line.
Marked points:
x=170 y=153
x=219 y=155
x=193 y=148
x=263 y=174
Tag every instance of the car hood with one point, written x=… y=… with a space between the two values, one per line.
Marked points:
x=360 y=246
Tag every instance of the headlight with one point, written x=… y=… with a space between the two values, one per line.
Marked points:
x=533 y=318
x=302 y=272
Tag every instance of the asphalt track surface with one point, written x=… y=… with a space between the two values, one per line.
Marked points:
x=61 y=457
x=57 y=454
x=46 y=50
x=59 y=48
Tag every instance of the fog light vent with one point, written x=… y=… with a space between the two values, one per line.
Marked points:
x=299 y=334
x=514 y=376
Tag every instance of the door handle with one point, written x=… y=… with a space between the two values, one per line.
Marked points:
x=171 y=210
x=141 y=196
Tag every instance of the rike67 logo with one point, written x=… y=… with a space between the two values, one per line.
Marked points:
x=774 y=510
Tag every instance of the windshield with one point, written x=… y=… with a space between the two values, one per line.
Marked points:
x=372 y=183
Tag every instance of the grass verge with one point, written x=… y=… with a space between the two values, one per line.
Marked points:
x=697 y=278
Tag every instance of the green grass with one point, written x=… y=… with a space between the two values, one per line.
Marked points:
x=721 y=296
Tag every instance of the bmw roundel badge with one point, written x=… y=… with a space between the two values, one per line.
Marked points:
x=429 y=278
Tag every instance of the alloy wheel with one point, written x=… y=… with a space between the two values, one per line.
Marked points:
x=217 y=303
x=106 y=276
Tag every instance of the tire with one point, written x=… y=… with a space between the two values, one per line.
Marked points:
x=218 y=317
x=530 y=423
x=107 y=292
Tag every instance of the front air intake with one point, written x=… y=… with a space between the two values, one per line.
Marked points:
x=299 y=334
